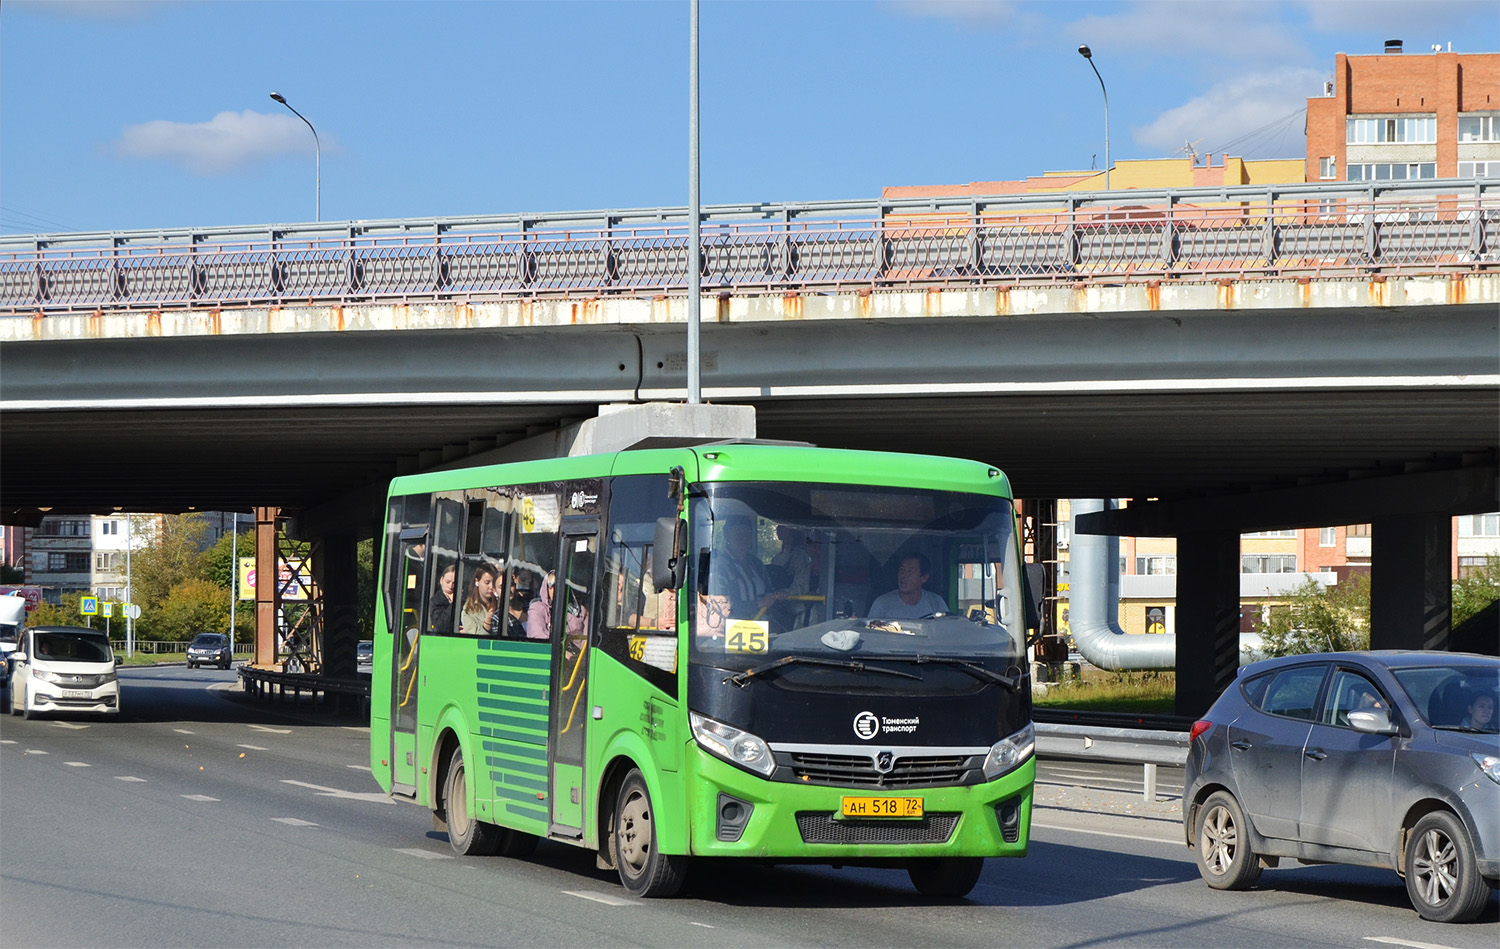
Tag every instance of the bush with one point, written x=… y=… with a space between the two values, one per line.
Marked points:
x=1320 y=619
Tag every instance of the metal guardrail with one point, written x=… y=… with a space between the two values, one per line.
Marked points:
x=1146 y=747
x=271 y=683
x=1354 y=228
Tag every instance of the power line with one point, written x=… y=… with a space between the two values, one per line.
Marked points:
x=1275 y=124
x=32 y=220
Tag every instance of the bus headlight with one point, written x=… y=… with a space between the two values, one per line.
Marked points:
x=734 y=746
x=1009 y=753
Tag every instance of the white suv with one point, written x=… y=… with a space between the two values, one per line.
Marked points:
x=63 y=669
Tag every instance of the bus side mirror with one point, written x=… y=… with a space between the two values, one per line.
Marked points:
x=667 y=562
x=1036 y=585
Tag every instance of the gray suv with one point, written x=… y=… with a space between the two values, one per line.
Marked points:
x=209 y=649
x=1377 y=759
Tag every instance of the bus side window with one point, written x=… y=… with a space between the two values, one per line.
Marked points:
x=638 y=623
x=448 y=517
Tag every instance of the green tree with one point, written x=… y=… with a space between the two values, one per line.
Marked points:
x=1320 y=619
x=1476 y=591
x=195 y=605
x=62 y=613
x=11 y=576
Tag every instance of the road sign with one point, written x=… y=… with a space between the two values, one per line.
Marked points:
x=88 y=606
x=131 y=611
x=109 y=609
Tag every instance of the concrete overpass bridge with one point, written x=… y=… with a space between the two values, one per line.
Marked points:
x=1249 y=358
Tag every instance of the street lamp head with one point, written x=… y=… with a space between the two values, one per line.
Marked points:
x=278 y=98
x=1083 y=51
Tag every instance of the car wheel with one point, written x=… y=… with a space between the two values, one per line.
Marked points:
x=1442 y=878
x=945 y=877
x=467 y=836
x=644 y=870
x=1225 y=859
x=27 y=712
x=15 y=695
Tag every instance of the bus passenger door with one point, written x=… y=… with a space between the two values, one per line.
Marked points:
x=572 y=614
x=404 y=663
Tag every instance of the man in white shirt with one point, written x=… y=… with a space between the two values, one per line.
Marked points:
x=909 y=600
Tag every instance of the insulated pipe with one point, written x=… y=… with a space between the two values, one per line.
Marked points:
x=1094 y=603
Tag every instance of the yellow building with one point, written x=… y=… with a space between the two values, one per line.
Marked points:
x=1128 y=174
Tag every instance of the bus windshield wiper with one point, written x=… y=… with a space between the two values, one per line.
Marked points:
x=742 y=679
x=977 y=671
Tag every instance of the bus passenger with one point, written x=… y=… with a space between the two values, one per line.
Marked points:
x=480 y=606
x=441 y=612
x=910 y=599
x=738 y=574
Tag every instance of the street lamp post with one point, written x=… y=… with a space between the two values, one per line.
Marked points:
x=695 y=213
x=318 y=158
x=1088 y=54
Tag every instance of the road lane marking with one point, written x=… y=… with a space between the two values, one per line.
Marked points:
x=184 y=731
x=293 y=822
x=77 y=764
x=253 y=747
x=1106 y=833
x=72 y=726
x=7 y=741
x=274 y=731
x=35 y=751
x=424 y=854
x=599 y=898
x=1392 y=941
x=356 y=728
x=374 y=797
x=130 y=779
x=199 y=797
x=704 y=925
x=359 y=767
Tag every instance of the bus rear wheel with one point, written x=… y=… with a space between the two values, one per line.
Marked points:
x=468 y=837
x=644 y=870
x=945 y=877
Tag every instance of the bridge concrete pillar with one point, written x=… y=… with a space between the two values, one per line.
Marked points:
x=1411 y=587
x=1208 y=617
x=334 y=568
x=266 y=586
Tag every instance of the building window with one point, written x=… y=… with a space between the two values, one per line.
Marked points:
x=1479 y=169
x=1328 y=168
x=109 y=527
x=1479 y=128
x=68 y=561
x=1268 y=563
x=106 y=560
x=1328 y=536
x=1479 y=525
x=1392 y=171
x=1411 y=129
x=1156 y=566
x=63 y=528
x=1290 y=533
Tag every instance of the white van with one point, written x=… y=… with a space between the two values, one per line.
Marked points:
x=63 y=669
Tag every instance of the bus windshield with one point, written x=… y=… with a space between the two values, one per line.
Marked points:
x=850 y=573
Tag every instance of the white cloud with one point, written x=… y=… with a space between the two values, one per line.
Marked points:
x=1251 y=116
x=1419 y=24
x=228 y=142
x=1228 y=29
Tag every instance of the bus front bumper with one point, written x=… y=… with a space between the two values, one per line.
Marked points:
x=738 y=814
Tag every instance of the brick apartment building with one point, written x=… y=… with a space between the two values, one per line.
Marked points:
x=1399 y=115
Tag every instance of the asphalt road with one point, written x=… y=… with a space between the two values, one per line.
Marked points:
x=199 y=819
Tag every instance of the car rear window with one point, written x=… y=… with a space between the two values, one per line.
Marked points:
x=1290 y=693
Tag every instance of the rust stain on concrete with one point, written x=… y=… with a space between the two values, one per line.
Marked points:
x=791 y=306
x=1226 y=294
x=721 y=311
x=932 y=302
x=1153 y=294
x=1380 y=293
x=96 y=325
x=337 y=320
x=1304 y=291
x=153 y=323
x=1458 y=288
x=215 y=323
x=1002 y=301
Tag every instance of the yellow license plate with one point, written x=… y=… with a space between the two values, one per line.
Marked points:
x=882 y=807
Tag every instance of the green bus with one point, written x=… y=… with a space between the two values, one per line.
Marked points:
x=735 y=649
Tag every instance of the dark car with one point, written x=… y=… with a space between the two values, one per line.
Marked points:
x=364 y=655
x=1377 y=759
x=210 y=649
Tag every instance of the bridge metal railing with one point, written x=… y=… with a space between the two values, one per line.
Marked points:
x=1338 y=229
x=1148 y=748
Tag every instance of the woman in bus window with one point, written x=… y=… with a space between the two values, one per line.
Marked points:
x=480 y=604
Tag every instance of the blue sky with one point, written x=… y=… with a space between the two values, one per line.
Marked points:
x=133 y=114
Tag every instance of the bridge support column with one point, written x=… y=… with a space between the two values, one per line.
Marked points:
x=1411 y=587
x=1208 y=617
x=335 y=571
x=266 y=586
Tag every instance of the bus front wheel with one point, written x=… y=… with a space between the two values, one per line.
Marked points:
x=644 y=870
x=467 y=836
x=945 y=877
